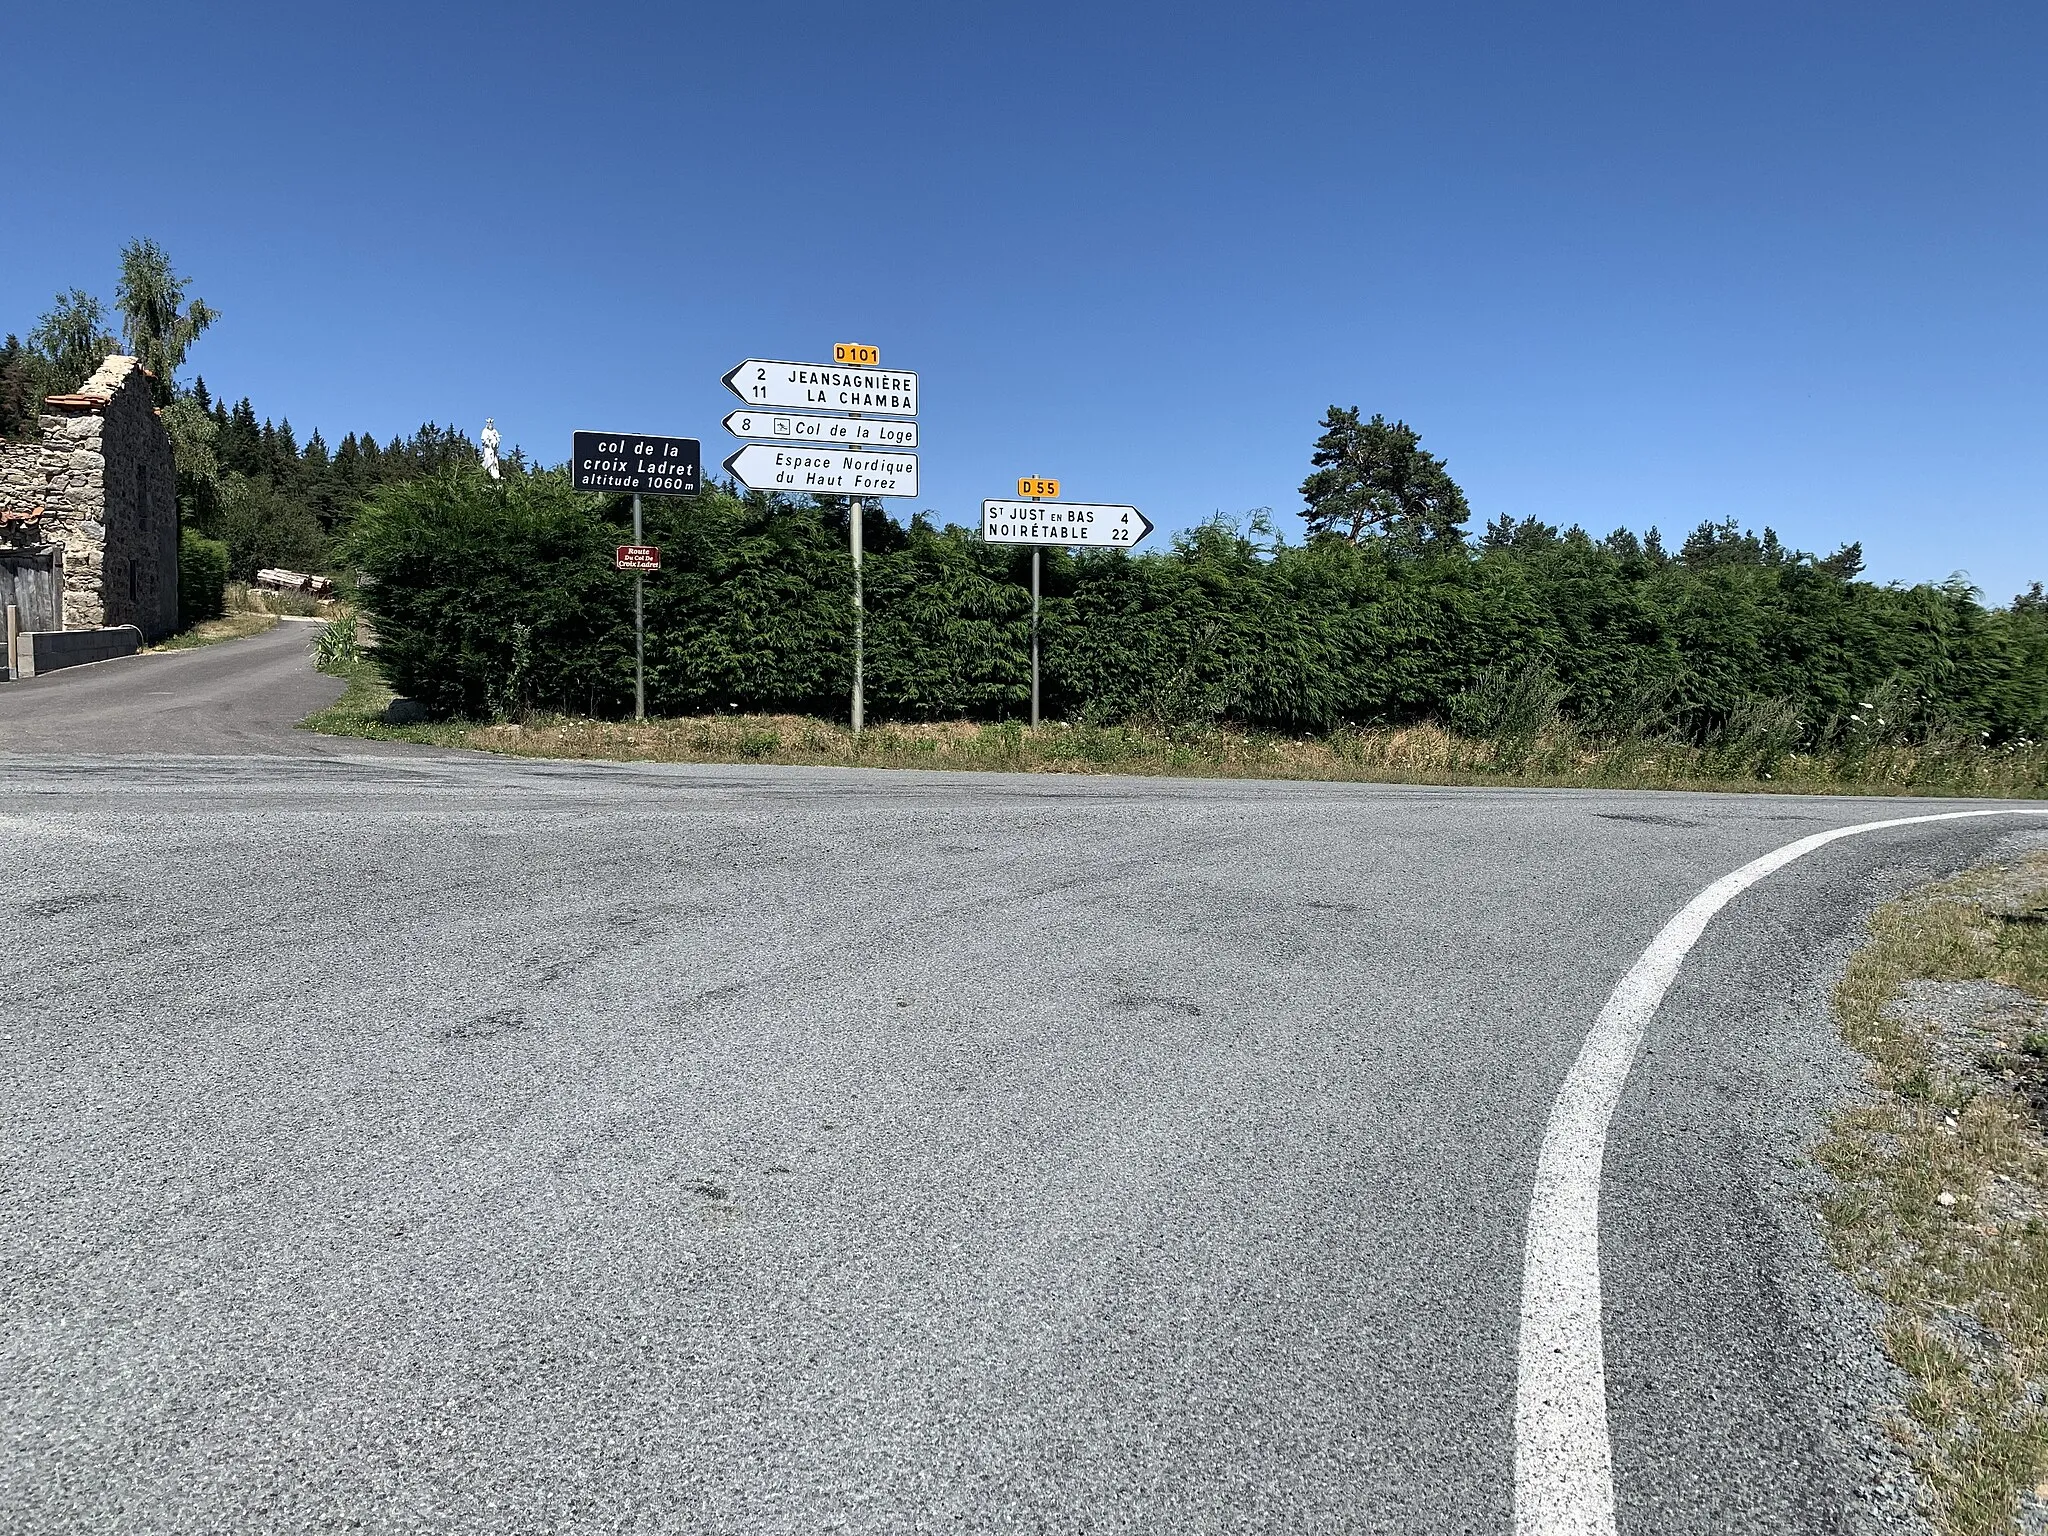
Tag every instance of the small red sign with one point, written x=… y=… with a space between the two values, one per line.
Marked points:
x=639 y=557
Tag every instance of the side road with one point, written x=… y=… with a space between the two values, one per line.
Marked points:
x=242 y=696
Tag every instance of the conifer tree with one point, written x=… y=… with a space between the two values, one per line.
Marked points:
x=238 y=444
x=18 y=405
x=1373 y=479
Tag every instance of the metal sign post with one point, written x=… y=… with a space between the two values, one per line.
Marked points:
x=639 y=628
x=824 y=442
x=642 y=464
x=1036 y=488
x=860 y=624
x=1039 y=518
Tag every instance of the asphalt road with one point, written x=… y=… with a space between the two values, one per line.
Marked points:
x=436 y=1142
x=244 y=696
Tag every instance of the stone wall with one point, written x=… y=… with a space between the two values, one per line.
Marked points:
x=21 y=484
x=107 y=491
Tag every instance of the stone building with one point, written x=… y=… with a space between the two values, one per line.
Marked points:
x=96 y=501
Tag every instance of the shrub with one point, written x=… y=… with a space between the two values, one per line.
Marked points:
x=494 y=598
x=202 y=578
x=262 y=526
x=335 y=649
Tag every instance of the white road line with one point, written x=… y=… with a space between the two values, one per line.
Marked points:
x=1564 y=1463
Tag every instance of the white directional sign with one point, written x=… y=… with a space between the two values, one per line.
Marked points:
x=804 y=471
x=1063 y=522
x=862 y=431
x=823 y=387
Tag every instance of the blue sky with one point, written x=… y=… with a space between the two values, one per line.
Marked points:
x=1618 y=264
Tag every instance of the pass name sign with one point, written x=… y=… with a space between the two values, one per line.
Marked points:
x=638 y=557
x=636 y=462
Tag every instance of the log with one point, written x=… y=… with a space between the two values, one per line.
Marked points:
x=294 y=581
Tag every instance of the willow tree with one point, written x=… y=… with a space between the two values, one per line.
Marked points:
x=156 y=323
x=69 y=343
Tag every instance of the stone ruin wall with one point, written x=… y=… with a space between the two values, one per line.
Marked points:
x=21 y=488
x=107 y=491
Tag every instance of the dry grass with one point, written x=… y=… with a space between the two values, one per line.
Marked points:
x=1956 y=1113
x=1419 y=754
x=243 y=598
x=235 y=625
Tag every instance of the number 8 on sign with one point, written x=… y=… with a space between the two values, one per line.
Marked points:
x=1029 y=488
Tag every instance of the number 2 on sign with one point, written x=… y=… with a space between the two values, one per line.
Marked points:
x=1028 y=487
x=856 y=354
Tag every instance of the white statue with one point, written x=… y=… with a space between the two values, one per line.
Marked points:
x=490 y=440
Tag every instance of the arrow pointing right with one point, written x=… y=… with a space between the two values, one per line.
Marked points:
x=1078 y=524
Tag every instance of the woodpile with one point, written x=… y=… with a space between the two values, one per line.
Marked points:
x=295 y=581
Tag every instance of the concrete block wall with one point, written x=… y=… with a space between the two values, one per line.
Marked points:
x=51 y=650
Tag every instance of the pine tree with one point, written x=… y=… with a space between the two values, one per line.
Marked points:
x=1623 y=545
x=1373 y=479
x=18 y=405
x=238 y=445
x=1845 y=563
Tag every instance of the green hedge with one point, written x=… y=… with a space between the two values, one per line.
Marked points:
x=202 y=578
x=491 y=598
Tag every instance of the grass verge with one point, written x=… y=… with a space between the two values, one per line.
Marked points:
x=360 y=711
x=1421 y=754
x=1941 y=1204
x=233 y=626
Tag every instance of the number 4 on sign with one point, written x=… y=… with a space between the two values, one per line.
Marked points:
x=1035 y=488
